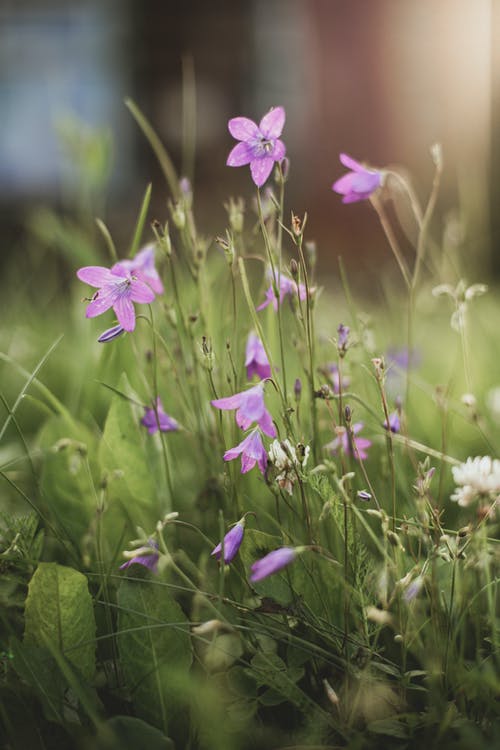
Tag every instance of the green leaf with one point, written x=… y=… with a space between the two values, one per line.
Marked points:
x=271 y=671
x=155 y=649
x=122 y=447
x=59 y=611
x=389 y=727
x=66 y=482
x=321 y=484
x=34 y=665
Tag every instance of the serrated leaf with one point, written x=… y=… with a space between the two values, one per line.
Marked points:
x=155 y=649
x=59 y=611
x=321 y=484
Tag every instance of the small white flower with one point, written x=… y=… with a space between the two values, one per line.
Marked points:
x=283 y=456
x=477 y=477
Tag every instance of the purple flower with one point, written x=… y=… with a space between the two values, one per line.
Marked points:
x=117 y=288
x=143 y=266
x=342 y=443
x=343 y=339
x=111 y=334
x=394 y=422
x=259 y=144
x=252 y=452
x=334 y=373
x=272 y=563
x=287 y=287
x=158 y=419
x=358 y=184
x=144 y=557
x=250 y=408
x=232 y=542
x=256 y=360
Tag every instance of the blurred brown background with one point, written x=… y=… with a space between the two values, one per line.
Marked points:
x=380 y=80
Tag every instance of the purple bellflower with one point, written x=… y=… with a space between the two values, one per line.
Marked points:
x=334 y=374
x=149 y=559
x=143 y=266
x=158 y=419
x=342 y=443
x=256 y=360
x=252 y=452
x=117 y=288
x=250 y=408
x=358 y=184
x=287 y=288
x=272 y=563
x=232 y=542
x=259 y=144
x=394 y=422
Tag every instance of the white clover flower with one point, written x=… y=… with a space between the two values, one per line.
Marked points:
x=286 y=459
x=477 y=477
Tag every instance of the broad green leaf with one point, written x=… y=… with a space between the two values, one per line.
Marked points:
x=59 y=611
x=125 y=461
x=66 y=481
x=34 y=665
x=155 y=649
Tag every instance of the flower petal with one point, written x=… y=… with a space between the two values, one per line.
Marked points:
x=105 y=299
x=95 y=275
x=125 y=312
x=141 y=292
x=243 y=129
x=266 y=424
x=279 y=151
x=240 y=155
x=271 y=125
x=261 y=169
x=344 y=184
x=231 y=402
x=351 y=163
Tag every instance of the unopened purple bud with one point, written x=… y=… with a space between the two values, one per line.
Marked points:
x=394 y=424
x=272 y=563
x=297 y=389
x=364 y=495
x=342 y=339
x=110 y=334
x=232 y=543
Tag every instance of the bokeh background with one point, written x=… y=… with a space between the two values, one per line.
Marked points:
x=380 y=80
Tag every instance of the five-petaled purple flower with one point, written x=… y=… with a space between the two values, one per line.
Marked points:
x=143 y=266
x=358 y=184
x=342 y=442
x=145 y=557
x=250 y=408
x=118 y=288
x=259 y=144
x=158 y=419
x=287 y=288
x=232 y=542
x=252 y=452
x=256 y=360
x=272 y=563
